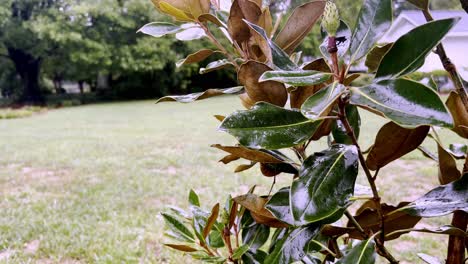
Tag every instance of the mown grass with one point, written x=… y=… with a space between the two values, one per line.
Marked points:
x=87 y=184
x=9 y=113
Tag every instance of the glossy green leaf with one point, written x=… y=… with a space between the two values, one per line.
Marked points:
x=442 y=200
x=240 y=251
x=255 y=235
x=280 y=58
x=321 y=103
x=215 y=239
x=202 y=95
x=412 y=48
x=200 y=220
x=256 y=257
x=325 y=185
x=193 y=198
x=375 y=56
x=292 y=246
x=159 y=29
x=296 y=78
x=280 y=207
x=309 y=259
x=339 y=131
x=343 y=36
x=178 y=228
x=362 y=253
x=269 y=127
x=407 y=103
x=216 y=65
x=373 y=21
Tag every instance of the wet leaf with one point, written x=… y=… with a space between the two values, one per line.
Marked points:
x=193 y=198
x=178 y=228
x=269 y=127
x=448 y=171
x=297 y=28
x=254 y=258
x=242 y=9
x=296 y=78
x=373 y=21
x=279 y=58
x=368 y=218
x=263 y=156
x=195 y=57
x=200 y=96
x=159 y=29
x=421 y=4
x=412 y=48
x=240 y=251
x=256 y=206
x=375 y=56
x=460 y=116
x=405 y=102
x=216 y=65
x=211 y=221
x=321 y=103
x=393 y=142
x=300 y=95
x=362 y=253
x=292 y=246
x=279 y=206
x=255 y=235
x=442 y=200
x=200 y=220
x=183 y=248
x=270 y=92
x=339 y=131
x=190 y=32
x=325 y=185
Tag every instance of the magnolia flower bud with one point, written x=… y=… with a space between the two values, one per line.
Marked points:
x=331 y=19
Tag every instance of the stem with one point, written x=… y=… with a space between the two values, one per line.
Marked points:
x=219 y=45
x=376 y=198
x=356 y=223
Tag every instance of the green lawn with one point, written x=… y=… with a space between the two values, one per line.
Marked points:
x=86 y=184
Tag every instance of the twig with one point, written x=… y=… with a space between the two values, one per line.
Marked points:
x=449 y=66
x=219 y=45
x=356 y=223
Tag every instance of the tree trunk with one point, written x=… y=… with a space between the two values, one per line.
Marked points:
x=28 y=67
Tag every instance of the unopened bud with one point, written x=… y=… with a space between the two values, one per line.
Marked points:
x=331 y=19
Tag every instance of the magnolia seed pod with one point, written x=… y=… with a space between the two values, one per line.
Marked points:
x=331 y=19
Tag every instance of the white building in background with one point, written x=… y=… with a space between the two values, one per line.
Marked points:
x=456 y=41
